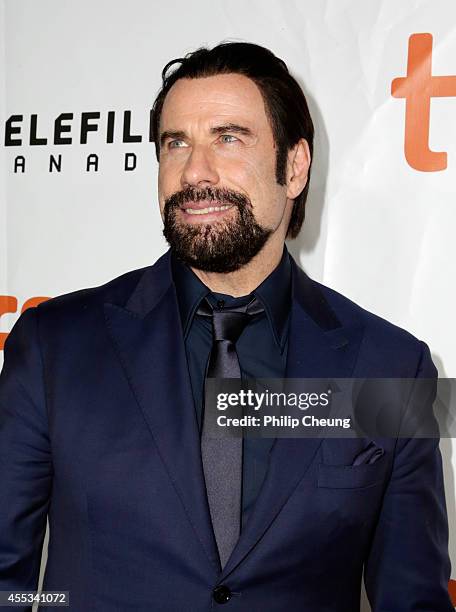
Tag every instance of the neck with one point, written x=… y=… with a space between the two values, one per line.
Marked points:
x=246 y=279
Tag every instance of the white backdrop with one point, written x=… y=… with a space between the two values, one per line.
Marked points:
x=377 y=229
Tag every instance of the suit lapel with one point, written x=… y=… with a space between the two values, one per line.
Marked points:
x=148 y=339
x=319 y=346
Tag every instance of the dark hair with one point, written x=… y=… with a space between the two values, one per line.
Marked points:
x=284 y=100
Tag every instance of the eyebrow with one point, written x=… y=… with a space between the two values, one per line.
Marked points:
x=218 y=129
x=231 y=127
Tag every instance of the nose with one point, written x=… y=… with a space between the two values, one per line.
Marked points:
x=199 y=170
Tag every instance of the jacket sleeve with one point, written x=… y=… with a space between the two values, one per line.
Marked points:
x=408 y=566
x=25 y=457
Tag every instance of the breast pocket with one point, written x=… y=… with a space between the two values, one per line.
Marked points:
x=352 y=477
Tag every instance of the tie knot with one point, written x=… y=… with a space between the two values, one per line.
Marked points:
x=229 y=323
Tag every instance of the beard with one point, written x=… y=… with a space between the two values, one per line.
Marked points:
x=220 y=246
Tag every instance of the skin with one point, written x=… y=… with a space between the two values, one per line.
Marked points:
x=193 y=154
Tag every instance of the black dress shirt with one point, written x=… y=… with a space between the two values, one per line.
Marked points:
x=261 y=348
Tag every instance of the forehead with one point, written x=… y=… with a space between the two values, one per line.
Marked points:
x=223 y=96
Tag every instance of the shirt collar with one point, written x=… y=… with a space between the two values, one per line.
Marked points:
x=274 y=293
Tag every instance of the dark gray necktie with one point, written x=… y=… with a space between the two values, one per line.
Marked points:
x=222 y=457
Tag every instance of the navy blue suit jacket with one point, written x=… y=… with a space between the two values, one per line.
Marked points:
x=98 y=431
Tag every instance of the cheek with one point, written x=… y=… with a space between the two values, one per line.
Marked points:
x=253 y=172
x=167 y=183
x=267 y=196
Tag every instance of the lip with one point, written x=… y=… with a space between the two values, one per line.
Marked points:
x=211 y=215
x=203 y=204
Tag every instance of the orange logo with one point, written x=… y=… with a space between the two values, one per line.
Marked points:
x=418 y=87
x=8 y=304
x=452 y=591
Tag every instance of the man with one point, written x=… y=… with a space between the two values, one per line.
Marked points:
x=102 y=420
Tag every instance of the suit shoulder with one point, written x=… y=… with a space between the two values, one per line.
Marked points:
x=379 y=333
x=88 y=303
x=116 y=289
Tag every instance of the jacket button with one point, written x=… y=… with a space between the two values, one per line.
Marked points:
x=221 y=594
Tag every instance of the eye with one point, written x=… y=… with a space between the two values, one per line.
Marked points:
x=227 y=138
x=176 y=144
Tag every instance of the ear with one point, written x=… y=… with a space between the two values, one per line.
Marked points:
x=298 y=164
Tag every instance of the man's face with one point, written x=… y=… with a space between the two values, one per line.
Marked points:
x=217 y=188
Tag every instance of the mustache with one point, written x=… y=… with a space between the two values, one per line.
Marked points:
x=218 y=194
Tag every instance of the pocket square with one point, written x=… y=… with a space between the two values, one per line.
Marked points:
x=369 y=455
